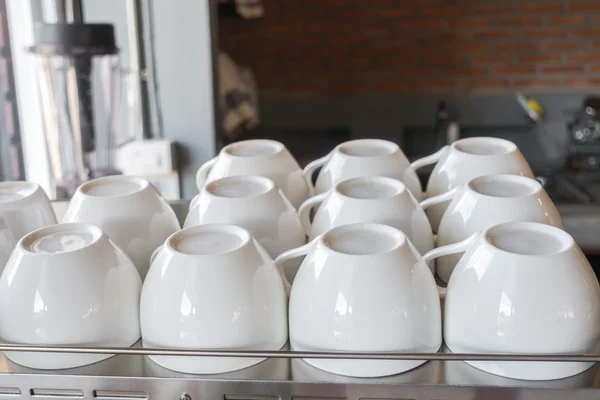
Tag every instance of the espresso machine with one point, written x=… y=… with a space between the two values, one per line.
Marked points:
x=79 y=83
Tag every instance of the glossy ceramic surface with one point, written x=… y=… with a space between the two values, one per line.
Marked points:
x=522 y=287
x=129 y=210
x=486 y=201
x=213 y=287
x=266 y=158
x=68 y=284
x=466 y=159
x=364 y=157
x=363 y=287
x=24 y=207
x=255 y=204
x=369 y=199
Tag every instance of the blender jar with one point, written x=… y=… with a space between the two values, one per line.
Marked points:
x=79 y=78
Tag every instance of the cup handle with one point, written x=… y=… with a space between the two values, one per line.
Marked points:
x=288 y=255
x=304 y=211
x=430 y=159
x=203 y=171
x=449 y=195
x=458 y=247
x=310 y=169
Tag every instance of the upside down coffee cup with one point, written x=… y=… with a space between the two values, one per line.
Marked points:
x=466 y=159
x=521 y=287
x=363 y=157
x=259 y=157
x=373 y=199
x=363 y=287
x=486 y=201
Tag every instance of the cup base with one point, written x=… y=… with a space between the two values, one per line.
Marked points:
x=205 y=365
x=362 y=368
x=528 y=370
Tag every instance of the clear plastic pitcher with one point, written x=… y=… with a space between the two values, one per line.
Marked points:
x=79 y=80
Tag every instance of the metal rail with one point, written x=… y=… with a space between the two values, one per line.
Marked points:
x=304 y=354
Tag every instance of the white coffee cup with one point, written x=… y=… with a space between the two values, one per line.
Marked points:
x=522 y=287
x=486 y=201
x=363 y=288
x=369 y=199
x=261 y=157
x=253 y=202
x=68 y=284
x=212 y=287
x=129 y=210
x=466 y=159
x=24 y=207
x=363 y=157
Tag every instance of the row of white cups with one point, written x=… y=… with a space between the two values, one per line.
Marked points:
x=366 y=283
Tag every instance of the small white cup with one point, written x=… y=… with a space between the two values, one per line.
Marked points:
x=212 y=287
x=68 y=284
x=466 y=159
x=363 y=287
x=363 y=157
x=260 y=157
x=254 y=203
x=369 y=199
x=522 y=287
x=129 y=210
x=24 y=207
x=486 y=201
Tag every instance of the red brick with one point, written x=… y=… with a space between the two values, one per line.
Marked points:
x=536 y=83
x=493 y=58
x=583 y=57
x=488 y=9
x=596 y=44
x=493 y=34
x=514 y=70
x=541 y=7
x=539 y=57
x=582 y=82
x=583 y=6
x=588 y=32
x=516 y=46
x=441 y=12
x=474 y=22
x=595 y=69
x=562 y=44
x=566 y=19
x=468 y=47
x=543 y=33
x=527 y=21
x=491 y=85
x=563 y=69
x=395 y=12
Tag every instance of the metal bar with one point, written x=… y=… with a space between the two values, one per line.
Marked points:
x=304 y=354
x=76 y=11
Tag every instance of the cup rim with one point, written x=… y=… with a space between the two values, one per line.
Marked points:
x=507 y=144
x=275 y=145
x=392 y=147
x=267 y=184
x=534 y=186
x=244 y=236
x=33 y=187
x=563 y=237
x=142 y=183
x=399 y=237
x=24 y=245
x=398 y=187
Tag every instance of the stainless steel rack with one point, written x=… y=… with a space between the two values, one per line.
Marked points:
x=284 y=375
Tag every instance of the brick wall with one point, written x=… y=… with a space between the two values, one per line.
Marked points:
x=362 y=47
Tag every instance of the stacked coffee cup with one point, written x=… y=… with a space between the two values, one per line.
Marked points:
x=510 y=279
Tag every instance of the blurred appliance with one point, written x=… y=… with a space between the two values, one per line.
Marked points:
x=79 y=85
x=584 y=135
